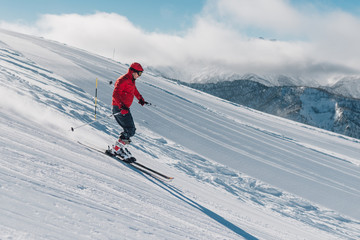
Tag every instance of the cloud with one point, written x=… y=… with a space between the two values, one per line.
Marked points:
x=304 y=34
x=277 y=16
x=225 y=35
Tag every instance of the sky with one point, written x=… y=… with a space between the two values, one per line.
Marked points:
x=155 y=15
x=315 y=39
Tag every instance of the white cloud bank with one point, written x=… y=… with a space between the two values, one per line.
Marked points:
x=310 y=43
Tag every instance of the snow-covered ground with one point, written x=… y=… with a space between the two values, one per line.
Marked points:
x=239 y=173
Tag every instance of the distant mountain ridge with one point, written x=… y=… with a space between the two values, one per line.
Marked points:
x=347 y=85
x=313 y=106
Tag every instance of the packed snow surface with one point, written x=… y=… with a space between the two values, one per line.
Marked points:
x=239 y=173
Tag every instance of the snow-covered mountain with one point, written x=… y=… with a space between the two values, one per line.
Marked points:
x=346 y=86
x=239 y=173
x=313 y=106
x=216 y=74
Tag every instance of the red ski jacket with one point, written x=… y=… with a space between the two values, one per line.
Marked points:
x=125 y=90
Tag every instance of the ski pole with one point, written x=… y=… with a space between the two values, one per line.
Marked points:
x=151 y=105
x=85 y=124
x=96 y=96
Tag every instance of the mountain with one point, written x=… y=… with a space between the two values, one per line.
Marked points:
x=215 y=74
x=313 y=106
x=239 y=173
x=346 y=86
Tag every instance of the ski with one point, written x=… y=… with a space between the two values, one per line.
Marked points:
x=153 y=171
x=148 y=171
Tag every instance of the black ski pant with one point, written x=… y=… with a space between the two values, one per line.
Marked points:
x=126 y=122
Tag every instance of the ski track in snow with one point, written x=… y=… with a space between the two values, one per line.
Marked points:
x=52 y=188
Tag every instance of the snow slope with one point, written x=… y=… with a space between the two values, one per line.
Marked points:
x=239 y=173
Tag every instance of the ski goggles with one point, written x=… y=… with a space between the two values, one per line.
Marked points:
x=139 y=73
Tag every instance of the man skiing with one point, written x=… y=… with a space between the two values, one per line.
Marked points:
x=122 y=98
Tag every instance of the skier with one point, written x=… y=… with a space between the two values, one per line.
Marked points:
x=122 y=98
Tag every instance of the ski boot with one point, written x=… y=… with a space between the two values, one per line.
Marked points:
x=120 y=150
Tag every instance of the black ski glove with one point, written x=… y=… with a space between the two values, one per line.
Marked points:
x=143 y=102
